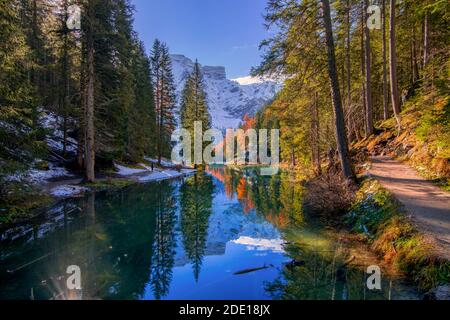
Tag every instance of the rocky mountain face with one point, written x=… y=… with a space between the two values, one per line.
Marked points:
x=229 y=100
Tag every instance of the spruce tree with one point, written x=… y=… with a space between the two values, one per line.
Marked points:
x=124 y=45
x=165 y=98
x=141 y=124
x=194 y=106
x=18 y=130
x=196 y=208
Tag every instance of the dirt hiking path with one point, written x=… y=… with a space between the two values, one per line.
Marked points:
x=428 y=205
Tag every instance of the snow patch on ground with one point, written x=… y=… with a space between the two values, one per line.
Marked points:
x=55 y=137
x=68 y=191
x=126 y=171
x=158 y=175
x=146 y=174
x=42 y=176
x=35 y=176
x=164 y=162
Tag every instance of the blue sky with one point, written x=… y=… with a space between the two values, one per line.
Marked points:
x=216 y=32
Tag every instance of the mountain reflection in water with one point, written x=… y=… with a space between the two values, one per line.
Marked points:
x=191 y=238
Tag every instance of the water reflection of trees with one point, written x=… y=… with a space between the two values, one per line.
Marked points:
x=318 y=270
x=196 y=208
x=277 y=198
x=122 y=241
x=321 y=271
x=164 y=244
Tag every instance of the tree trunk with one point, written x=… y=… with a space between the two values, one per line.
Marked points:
x=363 y=64
x=158 y=114
x=425 y=40
x=347 y=113
x=160 y=121
x=368 y=73
x=293 y=160
x=89 y=112
x=349 y=88
x=316 y=130
x=341 y=136
x=82 y=117
x=385 y=81
x=414 y=58
x=66 y=80
x=34 y=75
x=393 y=64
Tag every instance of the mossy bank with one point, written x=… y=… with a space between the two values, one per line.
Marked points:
x=380 y=219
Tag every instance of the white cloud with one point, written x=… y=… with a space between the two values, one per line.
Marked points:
x=252 y=244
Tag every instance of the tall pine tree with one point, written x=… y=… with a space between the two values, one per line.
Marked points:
x=141 y=125
x=165 y=98
x=17 y=94
x=193 y=102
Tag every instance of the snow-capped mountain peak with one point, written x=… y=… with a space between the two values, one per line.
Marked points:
x=228 y=100
x=248 y=80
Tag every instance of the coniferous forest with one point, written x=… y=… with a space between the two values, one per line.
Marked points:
x=99 y=81
x=359 y=91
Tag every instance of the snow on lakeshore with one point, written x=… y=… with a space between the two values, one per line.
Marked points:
x=127 y=171
x=158 y=175
x=165 y=163
x=144 y=168
x=67 y=191
x=146 y=174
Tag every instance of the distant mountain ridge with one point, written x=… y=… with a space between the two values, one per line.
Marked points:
x=228 y=100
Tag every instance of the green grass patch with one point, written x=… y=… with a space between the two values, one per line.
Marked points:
x=109 y=184
x=19 y=201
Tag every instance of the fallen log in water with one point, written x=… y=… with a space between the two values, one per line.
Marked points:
x=252 y=270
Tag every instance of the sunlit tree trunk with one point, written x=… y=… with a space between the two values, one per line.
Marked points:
x=349 y=89
x=347 y=113
x=425 y=40
x=363 y=64
x=385 y=80
x=368 y=73
x=316 y=130
x=341 y=136
x=393 y=64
